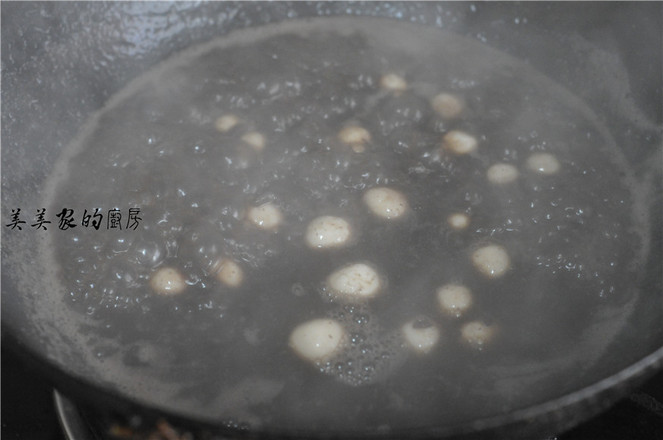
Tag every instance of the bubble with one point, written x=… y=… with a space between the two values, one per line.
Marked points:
x=372 y=353
x=147 y=251
x=121 y=243
x=298 y=289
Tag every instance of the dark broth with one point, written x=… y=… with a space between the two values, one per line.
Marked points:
x=224 y=351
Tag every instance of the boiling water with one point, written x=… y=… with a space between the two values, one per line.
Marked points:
x=222 y=353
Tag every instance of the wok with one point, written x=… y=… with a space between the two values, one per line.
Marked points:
x=63 y=61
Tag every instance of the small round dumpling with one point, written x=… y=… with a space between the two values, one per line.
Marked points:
x=459 y=142
x=386 y=203
x=492 y=260
x=167 y=281
x=477 y=334
x=454 y=299
x=228 y=272
x=458 y=221
x=502 y=173
x=267 y=216
x=447 y=105
x=393 y=82
x=355 y=282
x=317 y=340
x=328 y=232
x=421 y=334
x=543 y=163
x=355 y=136
x=226 y=123
x=255 y=140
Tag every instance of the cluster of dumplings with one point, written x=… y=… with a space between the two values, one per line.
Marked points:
x=268 y=216
x=358 y=282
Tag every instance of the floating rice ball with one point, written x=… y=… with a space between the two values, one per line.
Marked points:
x=543 y=163
x=355 y=282
x=502 y=173
x=228 y=272
x=477 y=334
x=386 y=202
x=167 y=281
x=459 y=142
x=393 y=82
x=355 y=136
x=458 y=221
x=267 y=216
x=447 y=105
x=255 y=140
x=454 y=299
x=421 y=334
x=317 y=340
x=491 y=260
x=328 y=232
x=226 y=123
